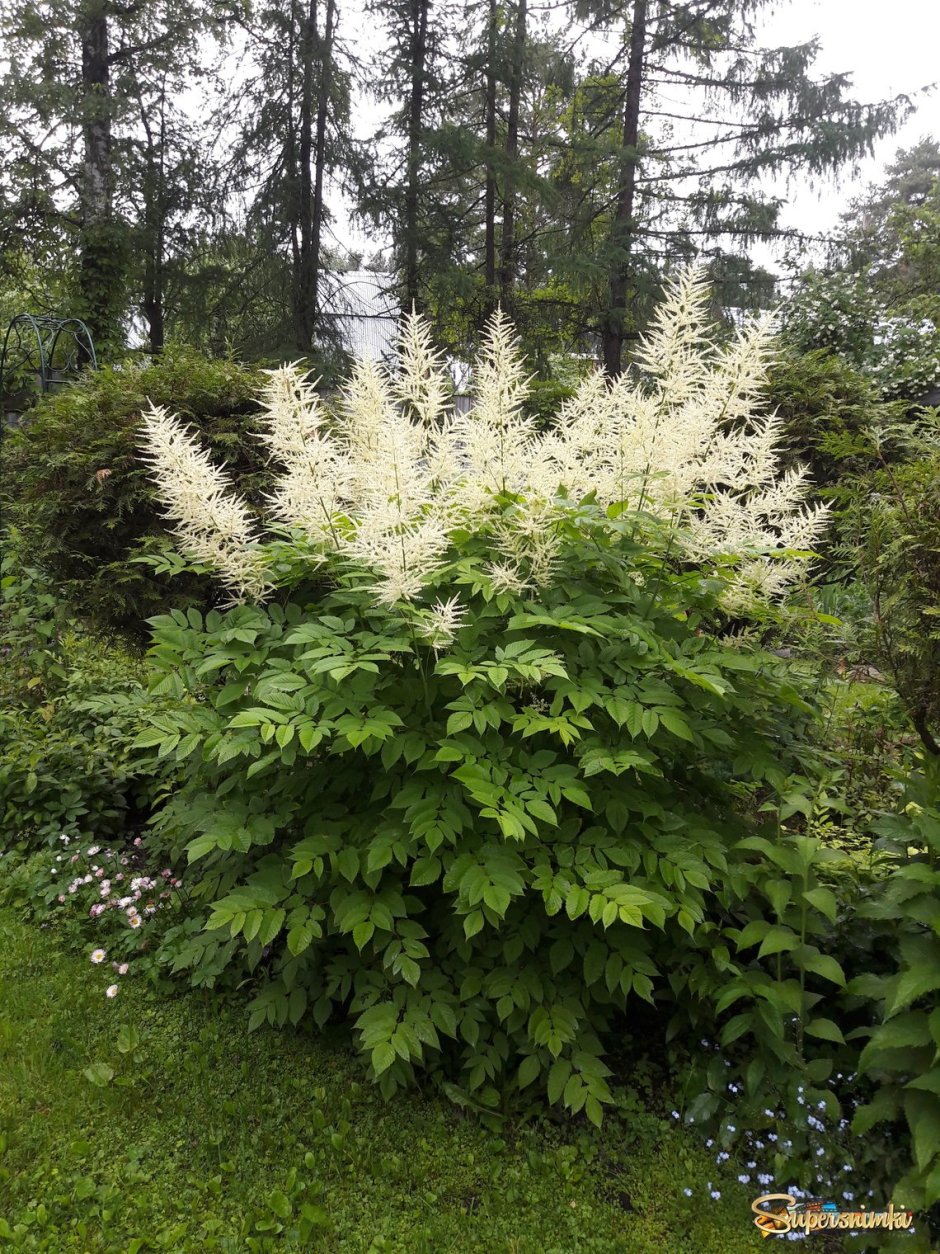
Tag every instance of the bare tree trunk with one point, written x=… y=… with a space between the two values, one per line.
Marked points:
x=419 y=45
x=489 y=204
x=614 y=330
x=507 y=254
x=99 y=266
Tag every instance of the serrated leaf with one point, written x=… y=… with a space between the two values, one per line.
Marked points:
x=472 y=923
x=778 y=940
x=825 y=1030
x=528 y=1070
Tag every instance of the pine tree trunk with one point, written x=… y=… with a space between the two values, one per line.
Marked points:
x=325 y=60
x=153 y=301
x=99 y=266
x=419 y=45
x=489 y=201
x=507 y=257
x=613 y=331
x=154 y=218
x=305 y=295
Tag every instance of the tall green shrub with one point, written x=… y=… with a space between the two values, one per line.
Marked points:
x=76 y=489
x=475 y=773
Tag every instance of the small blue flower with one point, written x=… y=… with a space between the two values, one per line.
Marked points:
x=744 y=1179
x=716 y=1194
x=687 y=1192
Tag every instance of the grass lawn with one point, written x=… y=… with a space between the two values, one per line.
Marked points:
x=208 y=1138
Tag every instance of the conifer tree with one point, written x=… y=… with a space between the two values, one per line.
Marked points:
x=650 y=181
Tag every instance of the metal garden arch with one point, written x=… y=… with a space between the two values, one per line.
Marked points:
x=43 y=351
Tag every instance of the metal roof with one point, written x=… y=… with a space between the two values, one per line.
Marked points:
x=364 y=308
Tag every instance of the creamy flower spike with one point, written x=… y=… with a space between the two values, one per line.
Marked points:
x=213 y=524
x=385 y=482
x=443 y=622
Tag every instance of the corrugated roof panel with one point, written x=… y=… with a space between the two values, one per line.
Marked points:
x=363 y=307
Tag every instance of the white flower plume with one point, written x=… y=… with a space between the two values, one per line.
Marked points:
x=314 y=484
x=442 y=622
x=213 y=524
x=387 y=477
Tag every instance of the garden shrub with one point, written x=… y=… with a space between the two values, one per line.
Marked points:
x=481 y=826
x=890 y=530
x=826 y=1071
x=79 y=495
x=827 y=408
x=901 y=1057
x=70 y=706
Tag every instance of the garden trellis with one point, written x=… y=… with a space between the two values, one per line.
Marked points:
x=44 y=352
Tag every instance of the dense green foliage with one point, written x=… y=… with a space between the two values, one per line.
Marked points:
x=875 y=303
x=81 y=497
x=66 y=720
x=828 y=409
x=490 y=852
x=891 y=524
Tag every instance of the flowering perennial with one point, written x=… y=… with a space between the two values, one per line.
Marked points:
x=385 y=482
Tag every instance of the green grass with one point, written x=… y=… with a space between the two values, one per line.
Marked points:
x=208 y=1138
